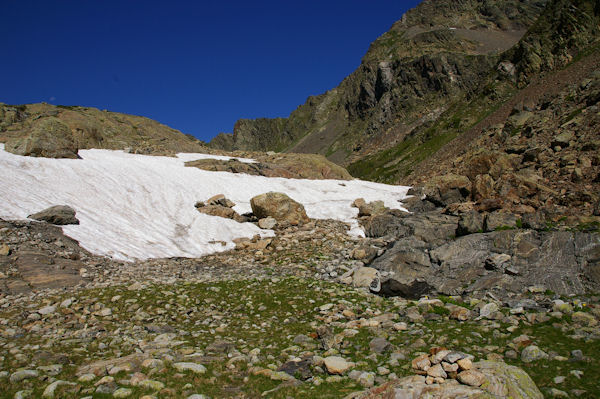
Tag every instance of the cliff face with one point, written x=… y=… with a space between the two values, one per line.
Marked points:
x=436 y=53
x=59 y=131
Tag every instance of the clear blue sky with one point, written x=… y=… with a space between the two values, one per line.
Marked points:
x=196 y=66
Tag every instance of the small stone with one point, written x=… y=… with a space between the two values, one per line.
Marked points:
x=50 y=389
x=576 y=373
x=465 y=364
x=188 y=366
x=532 y=353
x=4 y=250
x=46 y=310
x=559 y=379
x=337 y=365
x=87 y=377
x=105 y=312
x=488 y=310
x=379 y=345
x=122 y=393
x=24 y=394
x=383 y=370
x=454 y=357
x=198 y=396
x=326 y=307
x=402 y=326
x=460 y=313
x=66 y=303
x=557 y=393
x=366 y=379
x=439 y=356
x=472 y=378
x=421 y=363
x=152 y=363
x=21 y=375
x=151 y=384
x=450 y=368
x=267 y=223
x=437 y=371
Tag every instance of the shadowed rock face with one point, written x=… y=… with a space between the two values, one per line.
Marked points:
x=424 y=255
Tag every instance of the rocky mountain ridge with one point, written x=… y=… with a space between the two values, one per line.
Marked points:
x=59 y=131
x=408 y=77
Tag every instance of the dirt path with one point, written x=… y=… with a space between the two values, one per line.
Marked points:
x=548 y=85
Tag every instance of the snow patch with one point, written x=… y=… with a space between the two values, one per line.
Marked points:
x=134 y=206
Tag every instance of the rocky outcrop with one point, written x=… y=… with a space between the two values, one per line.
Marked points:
x=280 y=207
x=423 y=256
x=49 y=137
x=59 y=131
x=292 y=166
x=58 y=214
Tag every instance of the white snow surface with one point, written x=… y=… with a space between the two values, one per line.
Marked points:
x=138 y=207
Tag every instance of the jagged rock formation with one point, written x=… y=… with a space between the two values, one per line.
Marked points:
x=58 y=132
x=409 y=76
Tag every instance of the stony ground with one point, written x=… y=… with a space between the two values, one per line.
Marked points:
x=266 y=320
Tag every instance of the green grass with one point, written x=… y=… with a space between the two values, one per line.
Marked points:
x=268 y=314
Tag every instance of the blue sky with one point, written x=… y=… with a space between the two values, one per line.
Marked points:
x=196 y=66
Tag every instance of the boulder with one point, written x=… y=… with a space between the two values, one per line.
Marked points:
x=280 y=207
x=58 y=215
x=49 y=137
x=371 y=208
x=447 y=189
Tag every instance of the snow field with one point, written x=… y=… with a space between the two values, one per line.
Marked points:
x=138 y=207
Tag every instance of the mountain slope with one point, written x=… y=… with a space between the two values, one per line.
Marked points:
x=408 y=77
x=36 y=127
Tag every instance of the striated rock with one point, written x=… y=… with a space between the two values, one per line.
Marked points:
x=58 y=215
x=280 y=207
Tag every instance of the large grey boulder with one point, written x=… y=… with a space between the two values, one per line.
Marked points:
x=49 y=137
x=59 y=215
x=280 y=207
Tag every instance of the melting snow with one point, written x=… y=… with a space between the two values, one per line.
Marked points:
x=137 y=207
